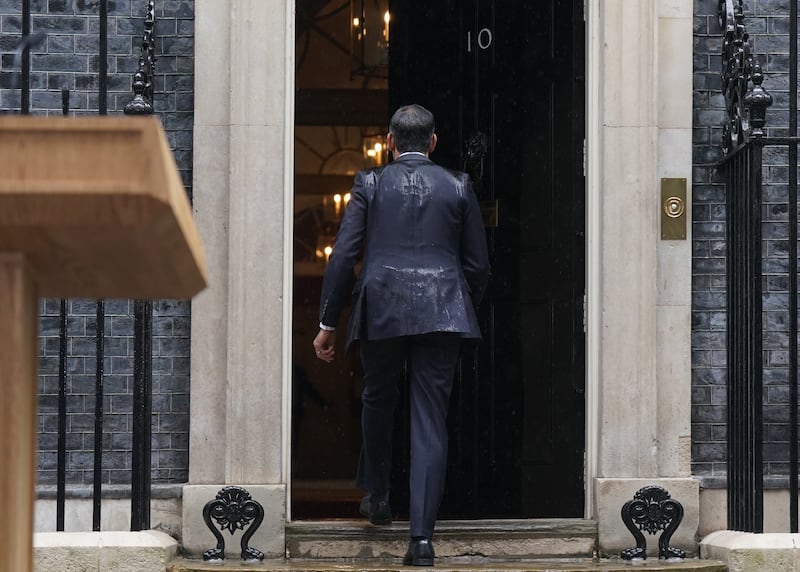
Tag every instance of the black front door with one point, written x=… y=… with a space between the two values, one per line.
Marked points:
x=508 y=77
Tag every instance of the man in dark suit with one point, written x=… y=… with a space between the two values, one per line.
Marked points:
x=425 y=267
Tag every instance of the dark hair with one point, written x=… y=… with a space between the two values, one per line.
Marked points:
x=412 y=127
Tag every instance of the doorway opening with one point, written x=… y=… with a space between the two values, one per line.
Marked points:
x=340 y=128
x=506 y=84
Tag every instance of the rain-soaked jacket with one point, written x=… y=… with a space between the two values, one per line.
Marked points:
x=425 y=261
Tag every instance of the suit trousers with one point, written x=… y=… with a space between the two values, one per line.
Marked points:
x=431 y=361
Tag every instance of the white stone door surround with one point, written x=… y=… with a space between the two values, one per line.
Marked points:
x=639 y=131
x=639 y=74
x=243 y=203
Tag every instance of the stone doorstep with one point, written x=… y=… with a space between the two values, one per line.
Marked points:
x=533 y=538
x=753 y=552
x=451 y=565
x=154 y=551
x=145 y=551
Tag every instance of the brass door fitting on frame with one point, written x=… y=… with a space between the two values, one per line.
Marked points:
x=489 y=211
x=673 y=209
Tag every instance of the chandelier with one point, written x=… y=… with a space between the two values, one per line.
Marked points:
x=369 y=37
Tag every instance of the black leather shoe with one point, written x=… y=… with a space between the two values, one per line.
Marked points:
x=420 y=553
x=378 y=513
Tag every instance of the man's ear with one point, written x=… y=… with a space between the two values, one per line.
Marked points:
x=390 y=143
x=432 y=146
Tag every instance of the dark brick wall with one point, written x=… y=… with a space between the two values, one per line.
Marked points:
x=767 y=22
x=170 y=424
x=69 y=59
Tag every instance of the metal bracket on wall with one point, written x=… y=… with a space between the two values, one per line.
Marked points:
x=233 y=509
x=652 y=509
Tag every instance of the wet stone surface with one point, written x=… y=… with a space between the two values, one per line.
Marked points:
x=453 y=565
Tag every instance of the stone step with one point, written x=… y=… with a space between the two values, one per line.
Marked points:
x=533 y=538
x=534 y=545
x=452 y=565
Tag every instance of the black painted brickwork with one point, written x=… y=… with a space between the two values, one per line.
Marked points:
x=170 y=428
x=69 y=59
x=767 y=22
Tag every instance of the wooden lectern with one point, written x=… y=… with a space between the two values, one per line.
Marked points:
x=89 y=207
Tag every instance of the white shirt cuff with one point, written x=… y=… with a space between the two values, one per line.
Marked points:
x=326 y=328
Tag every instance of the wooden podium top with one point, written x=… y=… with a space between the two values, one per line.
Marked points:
x=98 y=208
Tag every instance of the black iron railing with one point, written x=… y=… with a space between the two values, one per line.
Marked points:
x=25 y=96
x=61 y=467
x=142 y=414
x=142 y=104
x=793 y=362
x=143 y=309
x=745 y=377
x=744 y=143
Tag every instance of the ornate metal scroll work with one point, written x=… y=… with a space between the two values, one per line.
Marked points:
x=652 y=510
x=233 y=509
x=745 y=107
x=142 y=102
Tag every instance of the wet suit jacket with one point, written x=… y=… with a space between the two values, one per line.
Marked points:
x=425 y=261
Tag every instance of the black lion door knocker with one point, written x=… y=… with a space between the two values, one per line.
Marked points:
x=475 y=149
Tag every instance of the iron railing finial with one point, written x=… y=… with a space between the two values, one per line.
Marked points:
x=142 y=102
x=756 y=101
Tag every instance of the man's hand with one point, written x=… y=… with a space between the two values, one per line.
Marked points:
x=323 y=345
